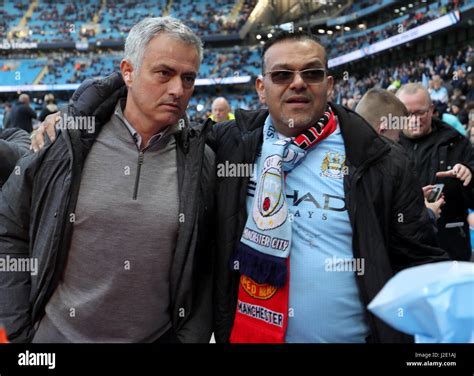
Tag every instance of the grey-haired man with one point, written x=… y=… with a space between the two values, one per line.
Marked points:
x=117 y=217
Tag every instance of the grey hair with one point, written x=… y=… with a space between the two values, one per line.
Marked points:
x=411 y=88
x=143 y=32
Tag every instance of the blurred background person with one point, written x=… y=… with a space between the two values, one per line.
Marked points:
x=6 y=115
x=49 y=106
x=22 y=114
x=221 y=110
x=439 y=94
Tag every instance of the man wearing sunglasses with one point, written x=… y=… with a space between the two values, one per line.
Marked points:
x=441 y=155
x=330 y=214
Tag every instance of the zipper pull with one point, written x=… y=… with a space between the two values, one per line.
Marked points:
x=139 y=168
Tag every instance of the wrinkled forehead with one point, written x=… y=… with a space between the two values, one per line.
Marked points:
x=166 y=49
x=295 y=54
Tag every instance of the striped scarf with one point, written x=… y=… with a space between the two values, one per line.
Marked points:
x=262 y=257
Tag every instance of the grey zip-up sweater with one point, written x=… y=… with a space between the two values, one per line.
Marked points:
x=115 y=287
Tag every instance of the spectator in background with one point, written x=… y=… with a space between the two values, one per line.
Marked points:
x=388 y=116
x=439 y=94
x=379 y=107
x=470 y=88
x=6 y=115
x=441 y=155
x=221 y=110
x=49 y=108
x=453 y=121
x=458 y=95
x=459 y=112
x=459 y=80
x=22 y=114
x=13 y=144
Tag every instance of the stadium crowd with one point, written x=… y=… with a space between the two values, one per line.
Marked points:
x=451 y=74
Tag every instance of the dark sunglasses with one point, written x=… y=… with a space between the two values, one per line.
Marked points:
x=310 y=76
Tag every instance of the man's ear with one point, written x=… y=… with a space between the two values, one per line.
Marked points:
x=382 y=127
x=127 y=69
x=330 y=86
x=260 y=87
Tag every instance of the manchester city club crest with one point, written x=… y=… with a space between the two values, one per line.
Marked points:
x=270 y=209
x=333 y=165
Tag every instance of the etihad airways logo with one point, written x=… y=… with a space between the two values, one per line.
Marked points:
x=323 y=201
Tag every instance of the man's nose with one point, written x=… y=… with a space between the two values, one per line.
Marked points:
x=414 y=122
x=298 y=82
x=175 y=87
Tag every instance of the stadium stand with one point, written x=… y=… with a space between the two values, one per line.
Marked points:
x=49 y=21
x=80 y=42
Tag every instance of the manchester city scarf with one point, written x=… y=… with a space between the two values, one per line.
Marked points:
x=262 y=256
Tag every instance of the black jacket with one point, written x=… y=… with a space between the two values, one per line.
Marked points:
x=21 y=116
x=14 y=143
x=440 y=151
x=391 y=229
x=35 y=208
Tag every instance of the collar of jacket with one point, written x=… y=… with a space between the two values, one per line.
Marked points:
x=362 y=143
